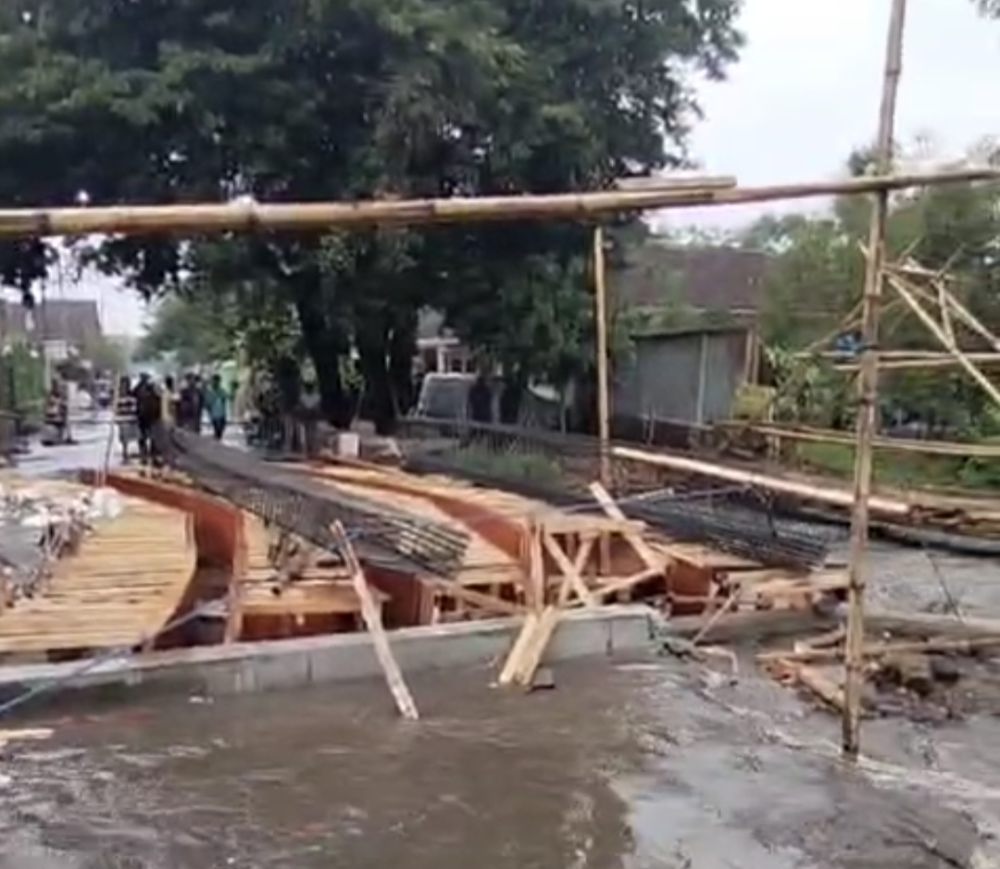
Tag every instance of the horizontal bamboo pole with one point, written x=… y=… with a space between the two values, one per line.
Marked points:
x=880 y=650
x=908 y=445
x=252 y=216
x=837 y=496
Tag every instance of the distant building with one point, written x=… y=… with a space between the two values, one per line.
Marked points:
x=64 y=327
x=438 y=348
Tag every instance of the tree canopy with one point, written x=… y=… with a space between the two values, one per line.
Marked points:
x=112 y=101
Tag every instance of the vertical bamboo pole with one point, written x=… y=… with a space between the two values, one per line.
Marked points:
x=868 y=389
x=603 y=387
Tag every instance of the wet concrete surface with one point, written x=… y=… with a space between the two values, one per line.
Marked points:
x=645 y=764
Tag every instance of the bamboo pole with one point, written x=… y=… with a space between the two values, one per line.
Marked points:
x=321 y=216
x=833 y=495
x=903 y=445
x=868 y=390
x=965 y=315
x=603 y=386
x=942 y=336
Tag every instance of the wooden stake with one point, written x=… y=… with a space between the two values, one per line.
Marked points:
x=868 y=389
x=603 y=387
x=373 y=622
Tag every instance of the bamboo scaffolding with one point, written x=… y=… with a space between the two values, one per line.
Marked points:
x=257 y=217
x=938 y=332
x=868 y=392
x=903 y=445
x=603 y=384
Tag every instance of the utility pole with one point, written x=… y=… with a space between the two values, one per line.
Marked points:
x=868 y=390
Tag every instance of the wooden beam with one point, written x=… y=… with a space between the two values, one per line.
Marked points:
x=651 y=559
x=216 y=218
x=373 y=622
x=568 y=569
x=486 y=602
x=524 y=638
x=838 y=497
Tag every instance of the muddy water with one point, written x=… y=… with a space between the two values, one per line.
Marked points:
x=641 y=765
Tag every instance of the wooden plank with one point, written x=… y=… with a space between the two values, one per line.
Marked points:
x=511 y=665
x=651 y=559
x=539 y=641
x=486 y=602
x=372 y=616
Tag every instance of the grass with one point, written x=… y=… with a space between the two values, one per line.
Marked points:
x=531 y=467
x=905 y=470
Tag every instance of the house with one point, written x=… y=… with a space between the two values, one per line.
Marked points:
x=705 y=279
x=689 y=371
x=687 y=375
x=439 y=350
x=64 y=327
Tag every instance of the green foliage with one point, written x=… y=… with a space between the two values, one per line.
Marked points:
x=179 y=100
x=817 y=279
x=529 y=467
x=904 y=470
x=22 y=380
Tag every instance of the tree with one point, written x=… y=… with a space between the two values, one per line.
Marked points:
x=173 y=100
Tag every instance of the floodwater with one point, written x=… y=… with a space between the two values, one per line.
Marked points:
x=646 y=764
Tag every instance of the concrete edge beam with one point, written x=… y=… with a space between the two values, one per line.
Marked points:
x=280 y=664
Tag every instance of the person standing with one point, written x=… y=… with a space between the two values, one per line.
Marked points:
x=126 y=416
x=309 y=413
x=149 y=412
x=169 y=401
x=190 y=406
x=216 y=402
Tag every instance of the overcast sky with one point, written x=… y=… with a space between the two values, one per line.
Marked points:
x=806 y=91
x=804 y=94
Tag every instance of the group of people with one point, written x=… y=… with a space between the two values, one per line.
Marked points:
x=284 y=413
x=142 y=408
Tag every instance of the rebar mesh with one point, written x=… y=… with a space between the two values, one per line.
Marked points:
x=295 y=503
x=559 y=468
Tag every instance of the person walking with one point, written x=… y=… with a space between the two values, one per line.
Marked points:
x=216 y=403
